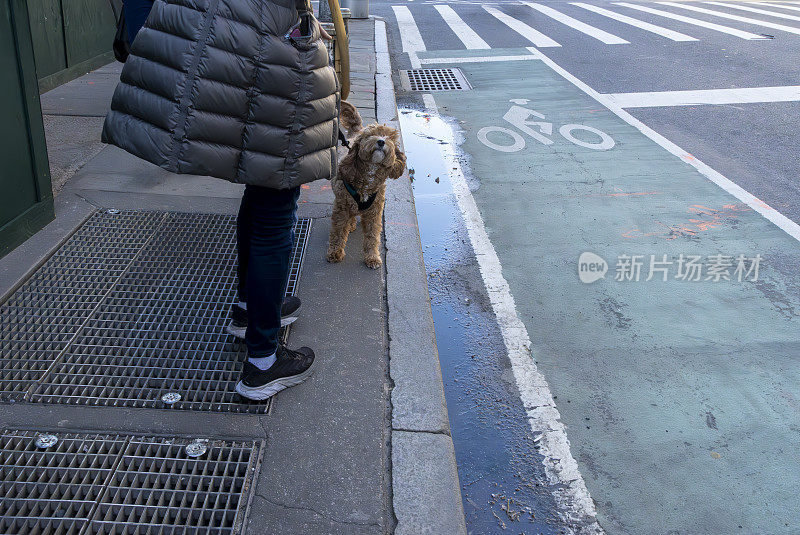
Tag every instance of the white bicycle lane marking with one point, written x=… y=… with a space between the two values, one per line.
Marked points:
x=520 y=117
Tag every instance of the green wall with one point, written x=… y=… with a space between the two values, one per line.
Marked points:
x=26 y=203
x=70 y=38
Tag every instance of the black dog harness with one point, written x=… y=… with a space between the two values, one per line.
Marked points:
x=362 y=205
x=350 y=189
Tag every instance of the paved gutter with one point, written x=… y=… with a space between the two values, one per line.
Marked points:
x=427 y=496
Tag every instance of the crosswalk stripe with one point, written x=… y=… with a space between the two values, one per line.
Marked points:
x=756 y=10
x=534 y=36
x=663 y=32
x=467 y=35
x=759 y=11
x=696 y=22
x=409 y=33
x=781 y=6
x=575 y=24
x=737 y=18
x=740 y=95
x=478 y=59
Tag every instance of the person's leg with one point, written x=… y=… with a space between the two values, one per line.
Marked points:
x=136 y=12
x=270 y=367
x=290 y=305
x=271 y=223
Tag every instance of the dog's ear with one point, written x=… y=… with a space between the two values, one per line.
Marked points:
x=399 y=163
x=349 y=118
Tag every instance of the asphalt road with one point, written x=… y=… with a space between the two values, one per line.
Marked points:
x=756 y=146
x=679 y=399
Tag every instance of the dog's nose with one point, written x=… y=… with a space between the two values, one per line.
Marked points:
x=381 y=143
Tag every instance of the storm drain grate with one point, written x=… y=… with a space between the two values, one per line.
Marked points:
x=117 y=484
x=132 y=309
x=434 y=80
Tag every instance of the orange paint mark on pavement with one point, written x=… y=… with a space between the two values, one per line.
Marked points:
x=764 y=205
x=710 y=218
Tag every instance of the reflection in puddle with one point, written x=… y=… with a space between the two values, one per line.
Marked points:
x=502 y=480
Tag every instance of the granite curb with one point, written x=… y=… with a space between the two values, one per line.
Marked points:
x=426 y=489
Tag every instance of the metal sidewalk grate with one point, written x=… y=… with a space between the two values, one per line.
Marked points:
x=132 y=308
x=434 y=80
x=116 y=484
x=301 y=231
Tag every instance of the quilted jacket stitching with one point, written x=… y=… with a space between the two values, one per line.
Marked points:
x=191 y=81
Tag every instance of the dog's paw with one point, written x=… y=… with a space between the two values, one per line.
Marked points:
x=373 y=261
x=335 y=256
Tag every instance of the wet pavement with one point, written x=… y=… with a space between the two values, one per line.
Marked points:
x=503 y=484
x=677 y=392
x=654 y=285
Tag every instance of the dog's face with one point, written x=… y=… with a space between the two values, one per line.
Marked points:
x=373 y=157
x=377 y=144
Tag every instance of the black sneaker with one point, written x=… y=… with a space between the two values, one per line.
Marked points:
x=238 y=324
x=291 y=368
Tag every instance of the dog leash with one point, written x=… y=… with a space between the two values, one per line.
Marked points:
x=350 y=189
x=343 y=139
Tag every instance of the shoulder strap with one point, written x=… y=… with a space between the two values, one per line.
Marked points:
x=117 y=13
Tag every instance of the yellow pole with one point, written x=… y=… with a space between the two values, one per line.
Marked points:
x=342 y=47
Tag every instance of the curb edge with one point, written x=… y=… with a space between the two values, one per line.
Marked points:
x=426 y=490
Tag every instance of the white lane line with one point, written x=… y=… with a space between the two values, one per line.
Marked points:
x=663 y=32
x=575 y=24
x=467 y=35
x=696 y=22
x=409 y=32
x=534 y=36
x=771 y=214
x=755 y=10
x=549 y=432
x=744 y=95
x=746 y=20
x=479 y=59
x=781 y=6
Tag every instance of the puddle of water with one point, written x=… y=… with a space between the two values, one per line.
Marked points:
x=502 y=479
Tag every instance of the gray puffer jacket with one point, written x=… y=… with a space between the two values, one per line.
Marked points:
x=218 y=88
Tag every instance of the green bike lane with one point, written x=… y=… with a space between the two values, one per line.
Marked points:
x=681 y=398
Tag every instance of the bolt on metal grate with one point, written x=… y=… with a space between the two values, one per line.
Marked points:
x=117 y=484
x=434 y=80
x=133 y=307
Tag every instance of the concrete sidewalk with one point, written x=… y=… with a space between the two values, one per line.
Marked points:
x=362 y=447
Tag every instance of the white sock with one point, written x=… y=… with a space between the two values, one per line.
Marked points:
x=243 y=305
x=263 y=363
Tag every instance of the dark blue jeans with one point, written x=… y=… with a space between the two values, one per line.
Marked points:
x=136 y=12
x=265 y=236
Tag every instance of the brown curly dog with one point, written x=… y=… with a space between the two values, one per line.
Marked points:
x=360 y=190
